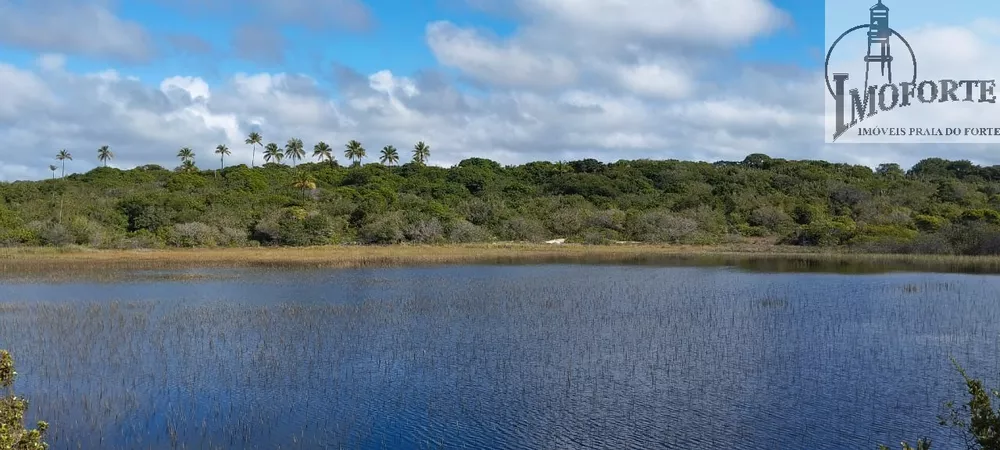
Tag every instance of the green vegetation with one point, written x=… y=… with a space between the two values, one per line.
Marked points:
x=13 y=435
x=976 y=421
x=937 y=207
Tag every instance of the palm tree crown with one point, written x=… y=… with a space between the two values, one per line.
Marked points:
x=304 y=182
x=222 y=151
x=389 y=155
x=294 y=150
x=53 y=168
x=104 y=154
x=186 y=154
x=271 y=151
x=254 y=139
x=421 y=152
x=323 y=151
x=354 y=151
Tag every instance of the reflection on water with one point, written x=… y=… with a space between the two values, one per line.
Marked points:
x=549 y=356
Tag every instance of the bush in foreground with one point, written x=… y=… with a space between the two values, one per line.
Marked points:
x=13 y=435
x=977 y=420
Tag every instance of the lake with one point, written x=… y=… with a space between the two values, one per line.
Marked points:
x=518 y=357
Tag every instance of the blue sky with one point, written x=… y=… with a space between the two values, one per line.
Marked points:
x=396 y=41
x=513 y=80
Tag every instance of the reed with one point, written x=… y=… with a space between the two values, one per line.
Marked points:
x=75 y=260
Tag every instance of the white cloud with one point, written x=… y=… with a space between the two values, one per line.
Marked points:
x=705 y=22
x=509 y=64
x=84 y=27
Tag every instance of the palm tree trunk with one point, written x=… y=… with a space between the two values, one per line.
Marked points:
x=253 y=155
x=63 y=169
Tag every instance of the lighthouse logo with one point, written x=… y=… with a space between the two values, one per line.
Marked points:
x=877 y=92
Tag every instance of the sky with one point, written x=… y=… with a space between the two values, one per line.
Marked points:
x=509 y=80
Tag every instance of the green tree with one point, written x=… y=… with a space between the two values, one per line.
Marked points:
x=53 y=168
x=104 y=154
x=186 y=155
x=890 y=170
x=272 y=151
x=63 y=155
x=222 y=151
x=13 y=435
x=354 y=151
x=253 y=140
x=322 y=151
x=421 y=152
x=295 y=150
x=389 y=155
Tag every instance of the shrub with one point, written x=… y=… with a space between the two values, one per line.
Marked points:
x=771 y=219
x=427 y=231
x=464 y=232
x=384 y=229
x=523 y=230
x=52 y=233
x=87 y=232
x=567 y=221
x=610 y=219
x=232 y=237
x=928 y=223
x=662 y=226
x=824 y=233
x=12 y=229
x=13 y=435
x=296 y=227
x=137 y=240
x=194 y=234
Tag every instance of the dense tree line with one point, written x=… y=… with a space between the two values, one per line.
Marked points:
x=937 y=206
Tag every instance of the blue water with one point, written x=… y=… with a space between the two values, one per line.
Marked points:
x=553 y=356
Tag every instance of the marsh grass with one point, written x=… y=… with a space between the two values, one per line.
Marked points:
x=56 y=263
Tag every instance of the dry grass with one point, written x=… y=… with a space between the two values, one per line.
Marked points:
x=76 y=259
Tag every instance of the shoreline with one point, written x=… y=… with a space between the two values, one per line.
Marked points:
x=76 y=259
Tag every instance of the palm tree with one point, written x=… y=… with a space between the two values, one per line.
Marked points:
x=354 y=151
x=421 y=152
x=53 y=169
x=389 y=155
x=323 y=151
x=254 y=140
x=304 y=182
x=271 y=151
x=63 y=155
x=104 y=154
x=188 y=166
x=294 y=150
x=222 y=151
x=186 y=154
